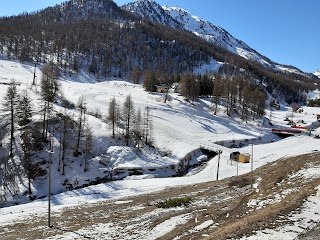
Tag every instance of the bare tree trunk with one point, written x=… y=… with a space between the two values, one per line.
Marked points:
x=79 y=133
x=64 y=146
x=82 y=108
x=44 y=120
x=88 y=145
x=128 y=129
x=47 y=120
x=147 y=126
x=12 y=131
x=29 y=185
x=60 y=148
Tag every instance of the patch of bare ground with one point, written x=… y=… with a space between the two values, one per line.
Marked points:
x=311 y=233
x=223 y=209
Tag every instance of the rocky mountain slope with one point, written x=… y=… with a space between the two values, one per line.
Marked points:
x=82 y=9
x=153 y=11
x=179 y=18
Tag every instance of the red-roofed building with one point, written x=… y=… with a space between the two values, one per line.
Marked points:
x=296 y=108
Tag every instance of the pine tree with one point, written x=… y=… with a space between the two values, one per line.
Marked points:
x=206 y=85
x=217 y=92
x=10 y=103
x=112 y=114
x=246 y=93
x=148 y=125
x=128 y=112
x=150 y=81
x=88 y=146
x=136 y=75
x=26 y=143
x=24 y=109
x=49 y=82
x=189 y=86
x=81 y=106
x=49 y=93
x=137 y=131
x=65 y=136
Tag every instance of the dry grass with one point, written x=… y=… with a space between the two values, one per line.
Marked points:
x=224 y=202
x=174 y=202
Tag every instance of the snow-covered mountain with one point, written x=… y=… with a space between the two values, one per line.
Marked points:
x=153 y=11
x=213 y=33
x=317 y=73
x=82 y=9
x=180 y=18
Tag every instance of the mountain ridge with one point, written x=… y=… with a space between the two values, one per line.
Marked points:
x=82 y=9
x=205 y=30
x=150 y=9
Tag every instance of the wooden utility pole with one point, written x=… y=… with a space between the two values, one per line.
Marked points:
x=34 y=75
x=238 y=168
x=49 y=183
x=166 y=95
x=219 y=152
x=252 y=165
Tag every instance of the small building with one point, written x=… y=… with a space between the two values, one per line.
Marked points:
x=174 y=87
x=301 y=127
x=300 y=110
x=286 y=131
x=163 y=88
x=244 y=157
x=240 y=157
x=234 y=156
x=296 y=108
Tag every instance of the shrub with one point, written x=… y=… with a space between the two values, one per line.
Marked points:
x=174 y=202
x=24 y=121
x=239 y=182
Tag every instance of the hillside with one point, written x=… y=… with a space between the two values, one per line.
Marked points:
x=180 y=130
x=181 y=19
x=91 y=123
x=105 y=41
x=284 y=205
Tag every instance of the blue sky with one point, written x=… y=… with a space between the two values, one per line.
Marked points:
x=286 y=31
